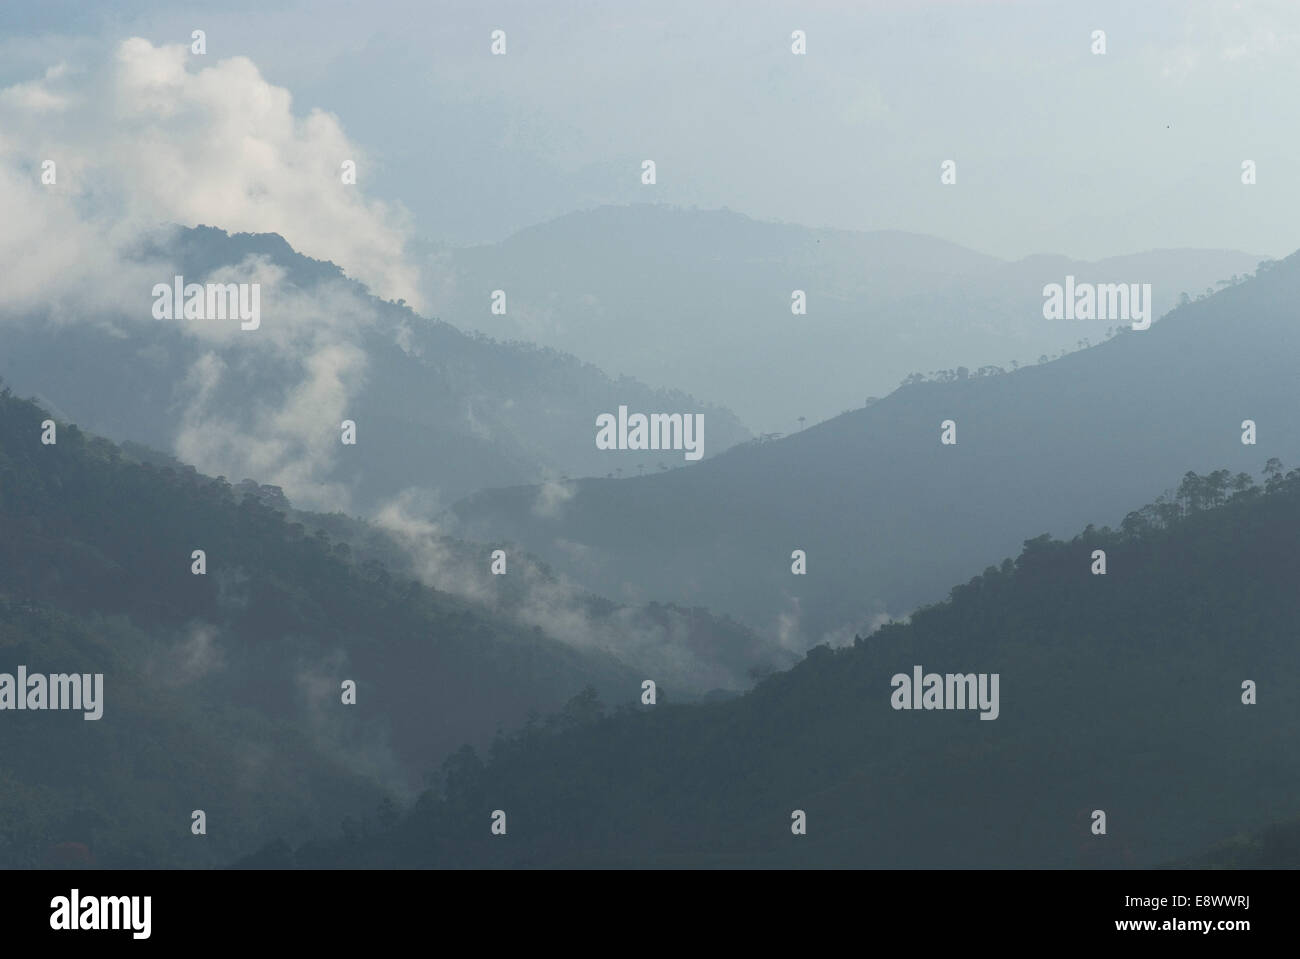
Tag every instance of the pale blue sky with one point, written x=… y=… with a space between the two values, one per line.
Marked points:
x=1058 y=150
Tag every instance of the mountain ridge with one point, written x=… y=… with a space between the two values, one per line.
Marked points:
x=888 y=514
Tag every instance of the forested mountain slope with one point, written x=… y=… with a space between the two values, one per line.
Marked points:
x=889 y=516
x=1124 y=692
x=223 y=691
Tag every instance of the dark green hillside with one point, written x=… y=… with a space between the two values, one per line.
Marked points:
x=223 y=691
x=1120 y=692
x=1275 y=846
x=690 y=649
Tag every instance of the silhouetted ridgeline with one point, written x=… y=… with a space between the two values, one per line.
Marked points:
x=1120 y=692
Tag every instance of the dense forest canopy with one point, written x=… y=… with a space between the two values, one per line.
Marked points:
x=222 y=689
x=1121 y=692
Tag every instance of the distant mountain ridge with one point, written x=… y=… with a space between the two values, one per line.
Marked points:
x=703 y=299
x=437 y=410
x=887 y=514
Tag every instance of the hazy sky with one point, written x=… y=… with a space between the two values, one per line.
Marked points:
x=1057 y=149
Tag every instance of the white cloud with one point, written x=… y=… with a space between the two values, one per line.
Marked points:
x=37 y=96
x=147 y=137
x=551 y=497
x=154 y=134
x=1249 y=33
x=294 y=442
